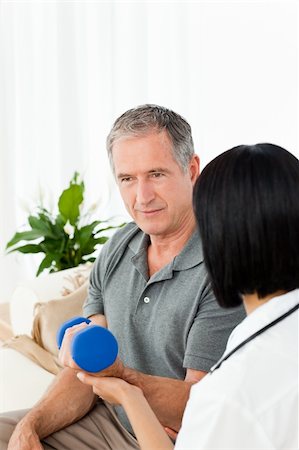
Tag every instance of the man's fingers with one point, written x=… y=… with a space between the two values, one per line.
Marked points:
x=75 y=328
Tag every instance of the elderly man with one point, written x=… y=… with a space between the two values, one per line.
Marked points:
x=149 y=286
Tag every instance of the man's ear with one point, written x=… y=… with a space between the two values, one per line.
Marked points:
x=194 y=168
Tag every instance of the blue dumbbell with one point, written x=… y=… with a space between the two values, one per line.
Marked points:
x=93 y=349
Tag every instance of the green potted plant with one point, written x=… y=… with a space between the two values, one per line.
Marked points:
x=65 y=239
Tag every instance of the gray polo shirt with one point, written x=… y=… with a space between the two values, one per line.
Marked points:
x=168 y=322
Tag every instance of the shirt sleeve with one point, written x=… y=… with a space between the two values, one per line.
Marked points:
x=210 y=331
x=94 y=303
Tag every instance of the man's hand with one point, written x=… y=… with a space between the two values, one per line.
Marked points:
x=24 y=438
x=65 y=350
x=115 y=370
x=113 y=390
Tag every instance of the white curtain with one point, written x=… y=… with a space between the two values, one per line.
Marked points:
x=68 y=69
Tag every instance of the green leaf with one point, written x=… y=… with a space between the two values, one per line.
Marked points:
x=45 y=264
x=51 y=246
x=75 y=179
x=24 y=236
x=85 y=233
x=29 y=248
x=60 y=222
x=69 y=203
x=101 y=240
x=42 y=224
x=92 y=259
x=92 y=243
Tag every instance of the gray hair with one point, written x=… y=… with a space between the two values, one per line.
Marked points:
x=145 y=119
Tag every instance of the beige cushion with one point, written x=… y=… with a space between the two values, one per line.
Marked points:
x=50 y=315
x=42 y=348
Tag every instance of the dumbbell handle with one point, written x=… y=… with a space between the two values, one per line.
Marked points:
x=93 y=348
x=69 y=323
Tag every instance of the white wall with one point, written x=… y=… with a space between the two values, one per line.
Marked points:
x=68 y=69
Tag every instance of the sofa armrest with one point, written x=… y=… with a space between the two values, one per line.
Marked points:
x=22 y=382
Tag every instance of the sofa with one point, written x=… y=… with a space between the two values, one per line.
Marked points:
x=28 y=326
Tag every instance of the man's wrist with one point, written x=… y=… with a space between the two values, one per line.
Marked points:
x=131 y=376
x=27 y=424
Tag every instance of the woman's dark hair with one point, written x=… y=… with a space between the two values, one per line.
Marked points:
x=246 y=203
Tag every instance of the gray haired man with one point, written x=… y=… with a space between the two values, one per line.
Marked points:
x=149 y=286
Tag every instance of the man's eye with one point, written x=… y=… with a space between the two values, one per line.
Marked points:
x=126 y=179
x=157 y=175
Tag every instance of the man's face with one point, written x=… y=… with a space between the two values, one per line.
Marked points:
x=156 y=192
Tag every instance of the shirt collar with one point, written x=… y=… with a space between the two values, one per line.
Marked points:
x=189 y=257
x=139 y=242
x=261 y=317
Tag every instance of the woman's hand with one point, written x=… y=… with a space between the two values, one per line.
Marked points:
x=146 y=426
x=113 y=390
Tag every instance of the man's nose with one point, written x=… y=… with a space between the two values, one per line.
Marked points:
x=145 y=193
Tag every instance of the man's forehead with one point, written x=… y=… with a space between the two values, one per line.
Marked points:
x=155 y=145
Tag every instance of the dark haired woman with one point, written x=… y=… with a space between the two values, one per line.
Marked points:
x=246 y=203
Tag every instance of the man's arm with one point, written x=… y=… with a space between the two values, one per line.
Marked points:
x=147 y=428
x=50 y=413
x=166 y=396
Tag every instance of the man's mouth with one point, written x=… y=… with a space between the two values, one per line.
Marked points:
x=150 y=211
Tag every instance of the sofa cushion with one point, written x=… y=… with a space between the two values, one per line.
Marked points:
x=48 y=316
